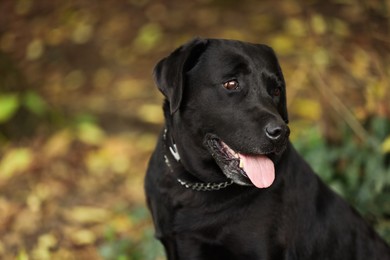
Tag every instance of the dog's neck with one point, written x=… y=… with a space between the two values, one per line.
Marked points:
x=173 y=153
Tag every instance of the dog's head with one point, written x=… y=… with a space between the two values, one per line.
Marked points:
x=226 y=105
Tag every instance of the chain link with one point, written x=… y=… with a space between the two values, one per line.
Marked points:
x=199 y=186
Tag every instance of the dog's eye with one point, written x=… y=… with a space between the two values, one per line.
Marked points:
x=276 y=92
x=231 y=84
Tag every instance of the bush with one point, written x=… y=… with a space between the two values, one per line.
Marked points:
x=357 y=170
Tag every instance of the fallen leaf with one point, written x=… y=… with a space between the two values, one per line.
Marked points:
x=15 y=161
x=82 y=237
x=58 y=144
x=90 y=133
x=87 y=215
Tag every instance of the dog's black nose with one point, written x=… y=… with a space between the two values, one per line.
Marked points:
x=274 y=131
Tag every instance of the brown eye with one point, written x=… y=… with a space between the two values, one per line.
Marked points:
x=276 y=92
x=231 y=84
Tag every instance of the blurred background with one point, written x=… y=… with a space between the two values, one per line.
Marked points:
x=79 y=111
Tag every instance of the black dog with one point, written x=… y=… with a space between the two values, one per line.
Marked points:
x=224 y=181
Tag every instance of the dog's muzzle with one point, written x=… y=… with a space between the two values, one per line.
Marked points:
x=243 y=169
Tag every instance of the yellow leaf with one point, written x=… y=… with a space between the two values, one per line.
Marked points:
x=87 y=215
x=22 y=255
x=121 y=223
x=321 y=57
x=151 y=113
x=58 y=144
x=318 y=24
x=133 y=88
x=35 y=49
x=308 y=109
x=98 y=162
x=82 y=33
x=386 y=145
x=148 y=37
x=283 y=44
x=47 y=241
x=296 y=27
x=90 y=133
x=16 y=160
x=83 y=237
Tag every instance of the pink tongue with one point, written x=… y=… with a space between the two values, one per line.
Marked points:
x=260 y=170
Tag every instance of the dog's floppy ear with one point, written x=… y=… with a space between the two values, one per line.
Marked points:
x=169 y=73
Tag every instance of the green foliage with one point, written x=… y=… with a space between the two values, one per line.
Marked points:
x=359 y=171
x=22 y=113
x=149 y=35
x=126 y=249
x=11 y=102
x=34 y=103
x=121 y=249
x=146 y=247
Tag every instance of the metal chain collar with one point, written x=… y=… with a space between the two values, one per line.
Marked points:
x=200 y=186
x=197 y=186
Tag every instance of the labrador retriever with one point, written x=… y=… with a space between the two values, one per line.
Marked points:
x=224 y=182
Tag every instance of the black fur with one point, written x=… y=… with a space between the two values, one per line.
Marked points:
x=297 y=217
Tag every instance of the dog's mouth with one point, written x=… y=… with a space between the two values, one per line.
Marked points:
x=243 y=169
